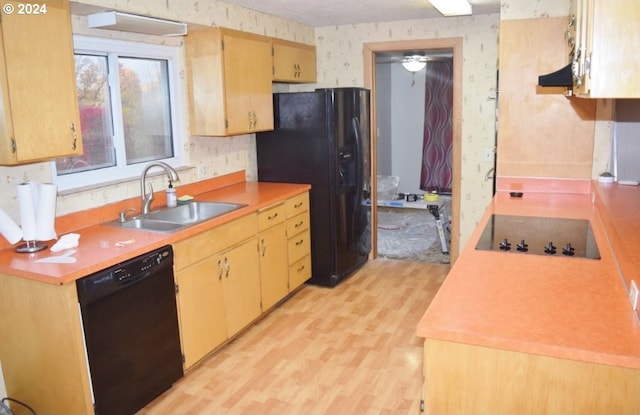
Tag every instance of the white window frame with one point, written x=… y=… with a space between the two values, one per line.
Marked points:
x=121 y=171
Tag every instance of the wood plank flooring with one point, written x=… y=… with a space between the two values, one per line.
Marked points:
x=351 y=349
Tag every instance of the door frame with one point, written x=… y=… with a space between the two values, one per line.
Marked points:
x=369 y=54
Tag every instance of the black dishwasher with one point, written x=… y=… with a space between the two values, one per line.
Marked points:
x=130 y=323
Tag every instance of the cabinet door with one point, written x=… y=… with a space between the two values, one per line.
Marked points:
x=201 y=309
x=272 y=245
x=37 y=83
x=293 y=62
x=615 y=35
x=607 y=36
x=241 y=285
x=249 y=102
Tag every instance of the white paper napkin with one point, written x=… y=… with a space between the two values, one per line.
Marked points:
x=67 y=241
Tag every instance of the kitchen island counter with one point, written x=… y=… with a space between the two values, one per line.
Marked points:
x=563 y=309
x=574 y=308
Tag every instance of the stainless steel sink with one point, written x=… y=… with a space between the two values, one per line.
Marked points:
x=179 y=217
x=193 y=212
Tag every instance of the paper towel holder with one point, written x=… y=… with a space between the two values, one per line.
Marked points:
x=30 y=247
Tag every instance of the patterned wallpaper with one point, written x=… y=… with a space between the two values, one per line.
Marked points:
x=340 y=63
x=209 y=156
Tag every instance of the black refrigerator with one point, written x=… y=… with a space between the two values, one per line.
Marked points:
x=323 y=138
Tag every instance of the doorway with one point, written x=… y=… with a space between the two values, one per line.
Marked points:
x=453 y=46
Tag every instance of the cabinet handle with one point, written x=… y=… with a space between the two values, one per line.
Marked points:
x=299 y=242
x=14 y=147
x=271 y=217
x=220 y=269
x=253 y=119
x=264 y=247
x=297 y=205
x=299 y=224
x=300 y=269
x=296 y=70
x=227 y=267
x=74 y=135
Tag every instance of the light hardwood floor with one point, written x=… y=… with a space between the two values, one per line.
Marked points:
x=351 y=349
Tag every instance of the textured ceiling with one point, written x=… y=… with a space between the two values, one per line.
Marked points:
x=320 y=13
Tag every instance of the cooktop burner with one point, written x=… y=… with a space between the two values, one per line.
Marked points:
x=539 y=236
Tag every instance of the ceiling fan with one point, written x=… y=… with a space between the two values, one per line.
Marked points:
x=414 y=61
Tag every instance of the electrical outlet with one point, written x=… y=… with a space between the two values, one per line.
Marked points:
x=633 y=295
x=488 y=154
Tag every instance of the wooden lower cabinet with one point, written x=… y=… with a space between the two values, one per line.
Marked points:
x=41 y=346
x=272 y=247
x=466 y=379
x=201 y=308
x=298 y=240
x=241 y=285
x=228 y=276
x=299 y=272
x=273 y=267
x=218 y=280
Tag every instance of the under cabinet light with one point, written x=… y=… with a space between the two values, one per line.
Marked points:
x=126 y=22
x=452 y=7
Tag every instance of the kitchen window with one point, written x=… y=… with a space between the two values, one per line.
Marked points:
x=126 y=94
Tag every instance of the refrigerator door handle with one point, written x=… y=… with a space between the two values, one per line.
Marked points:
x=359 y=164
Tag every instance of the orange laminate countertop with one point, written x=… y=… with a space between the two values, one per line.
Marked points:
x=97 y=248
x=569 y=308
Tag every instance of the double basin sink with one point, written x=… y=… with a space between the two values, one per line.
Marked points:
x=179 y=217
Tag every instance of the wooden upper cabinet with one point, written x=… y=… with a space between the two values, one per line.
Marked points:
x=607 y=37
x=229 y=77
x=39 y=116
x=293 y=62
x=540 y=134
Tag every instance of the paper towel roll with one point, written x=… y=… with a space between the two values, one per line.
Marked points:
x=9 y=229
x=27 y=211
x=46 y=212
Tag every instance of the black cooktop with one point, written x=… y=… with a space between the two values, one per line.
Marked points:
x=539 y=236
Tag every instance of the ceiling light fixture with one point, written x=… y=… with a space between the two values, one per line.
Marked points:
x=452 y=7
x=134 y=23
x=414 y=61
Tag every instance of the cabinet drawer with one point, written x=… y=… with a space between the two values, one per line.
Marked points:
x=209 y=242
x=299 y=246
x=297 y=224
x=299 y=272
x=297 y=204
x=270 y=216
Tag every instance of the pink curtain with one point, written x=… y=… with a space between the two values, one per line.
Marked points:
x=437 y=169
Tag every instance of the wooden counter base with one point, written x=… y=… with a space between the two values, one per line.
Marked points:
x=465 y=379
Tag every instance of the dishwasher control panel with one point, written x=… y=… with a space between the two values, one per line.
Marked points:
x=104 y=282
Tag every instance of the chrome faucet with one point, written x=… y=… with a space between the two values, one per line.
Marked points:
x=148 y=198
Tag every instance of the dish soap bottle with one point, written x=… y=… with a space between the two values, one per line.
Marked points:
x=172 y=200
